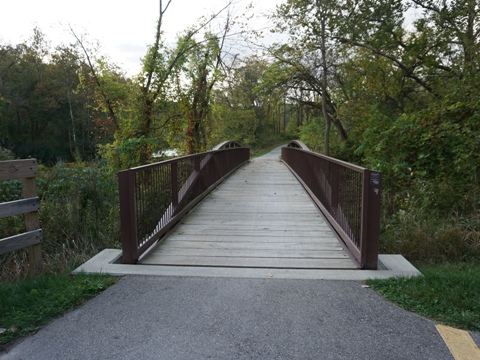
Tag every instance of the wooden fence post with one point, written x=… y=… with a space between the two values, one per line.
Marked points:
x=32 y=222
x=26 y=170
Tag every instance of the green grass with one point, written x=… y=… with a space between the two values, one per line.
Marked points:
x=27 y=304
x=447 y=293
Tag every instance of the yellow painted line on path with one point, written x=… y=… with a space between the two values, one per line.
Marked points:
x=460 y=343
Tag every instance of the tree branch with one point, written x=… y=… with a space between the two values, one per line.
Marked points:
x=408 y=72
x=97 y=81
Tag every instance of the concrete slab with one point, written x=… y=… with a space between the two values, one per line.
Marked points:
x=106 y=263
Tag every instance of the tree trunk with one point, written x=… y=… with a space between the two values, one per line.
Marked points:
x=323 y=49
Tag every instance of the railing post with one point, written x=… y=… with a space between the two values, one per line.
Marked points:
x=128 y=216
x=32 y=222
x=370 y=219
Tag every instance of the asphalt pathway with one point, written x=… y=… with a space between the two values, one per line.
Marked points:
x=223 y=318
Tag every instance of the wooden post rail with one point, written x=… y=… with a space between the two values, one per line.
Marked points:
x=29 y=205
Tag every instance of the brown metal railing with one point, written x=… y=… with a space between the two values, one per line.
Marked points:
x=348 y=195
x=153 y=198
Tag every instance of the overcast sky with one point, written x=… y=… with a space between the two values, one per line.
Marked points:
x=124 y=28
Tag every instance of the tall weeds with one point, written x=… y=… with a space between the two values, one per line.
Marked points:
x=79 y=216
x=424 y=236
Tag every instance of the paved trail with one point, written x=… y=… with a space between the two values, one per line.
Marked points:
x=220 y=318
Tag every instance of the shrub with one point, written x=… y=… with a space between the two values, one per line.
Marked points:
x=422 y=236
x=79 y=215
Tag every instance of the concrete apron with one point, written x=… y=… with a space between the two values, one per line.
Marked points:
x=106 y=262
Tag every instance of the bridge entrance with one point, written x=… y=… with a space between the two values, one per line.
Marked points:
x=260 y=217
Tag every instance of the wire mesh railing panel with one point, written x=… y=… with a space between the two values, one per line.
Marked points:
x=153 y=196
x=349 y=209
x=349 y=194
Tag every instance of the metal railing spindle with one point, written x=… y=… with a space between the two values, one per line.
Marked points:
x=153 y=198
x=348 y=195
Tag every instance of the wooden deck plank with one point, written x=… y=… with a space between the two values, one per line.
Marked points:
x=261 y=223
x=261 y=230
x=250 y=231
x=283 y=263
x=252 y=253
x=222 y=238
x=259 y=217
x=211 y=245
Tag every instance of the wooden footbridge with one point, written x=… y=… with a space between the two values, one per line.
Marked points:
x=299 y=211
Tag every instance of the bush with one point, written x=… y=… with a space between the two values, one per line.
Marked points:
x=6 y=154
x=79 y=215
x=422 y=236
x=312 y=134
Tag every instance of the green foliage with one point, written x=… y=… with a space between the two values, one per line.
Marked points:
x=79 y=212
x=27 y=304
x=233 y=123
x=6 y=154
x=420 y=235
x=249 y=104
x=448 y=293
x=432 y=157
x=124 y=154
x=42 y=115
x=79 y=215
x=312 y=134
x=10 y=191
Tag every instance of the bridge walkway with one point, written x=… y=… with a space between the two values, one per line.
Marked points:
x=260 y=217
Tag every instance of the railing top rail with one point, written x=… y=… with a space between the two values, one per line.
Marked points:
x=148 y=166
x=333 y=160
x=18 y=169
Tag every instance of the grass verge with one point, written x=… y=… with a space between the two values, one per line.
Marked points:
x=27 y=304
x=447 y=293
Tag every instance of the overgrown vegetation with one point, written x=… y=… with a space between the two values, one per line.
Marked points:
x=28 y=304
x=448 y=293
x=79 y=215
x=426 y=237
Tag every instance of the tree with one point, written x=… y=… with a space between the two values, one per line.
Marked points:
x=142 y=110
x=34 y=117
x=240 y=107
x=202 y=72
x=308 y=59
x=454 y=26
